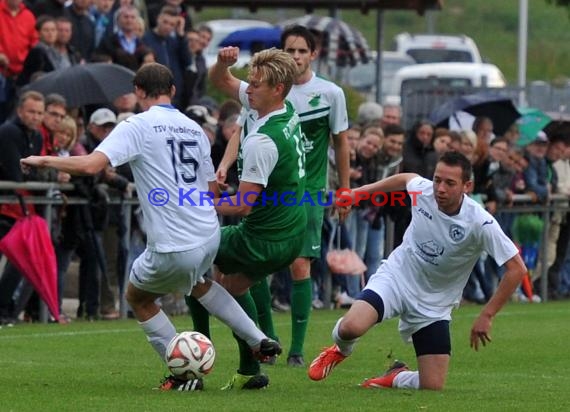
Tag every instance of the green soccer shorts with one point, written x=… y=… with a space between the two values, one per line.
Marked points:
x=312 y=241
x=256 y=258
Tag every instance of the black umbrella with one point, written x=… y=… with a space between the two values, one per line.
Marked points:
x=559 y=125
x=91 y=83
x=499 y=109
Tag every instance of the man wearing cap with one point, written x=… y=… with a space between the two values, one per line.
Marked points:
x=101 y=122
x=201 y=115
x=536 y=175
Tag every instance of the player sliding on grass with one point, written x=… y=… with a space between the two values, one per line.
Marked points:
x=423 y=279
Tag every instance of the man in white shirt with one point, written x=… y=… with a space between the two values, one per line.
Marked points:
x=422 y=280
x=169 y=154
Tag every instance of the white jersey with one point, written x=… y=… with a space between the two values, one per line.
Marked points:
x=320 y=98
x=169 y=155
x=438 y=251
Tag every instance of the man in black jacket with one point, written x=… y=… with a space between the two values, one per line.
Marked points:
x=19 y=138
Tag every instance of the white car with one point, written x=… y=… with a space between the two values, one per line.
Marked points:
x=362 y=77
x=438 y=48
x=221 y=29
x=445 y=75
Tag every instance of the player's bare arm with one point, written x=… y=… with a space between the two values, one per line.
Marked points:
x=89 y=164
x=241 y=203
x=390 y=184
x=220 y=74
x=342 y=158
x=214 y=188
x=480 y=332
x=229 y=158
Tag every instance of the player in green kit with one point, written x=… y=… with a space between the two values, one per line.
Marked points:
x=271 y=164
x=322 y=110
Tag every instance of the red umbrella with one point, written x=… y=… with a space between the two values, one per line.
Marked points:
x=29 y=248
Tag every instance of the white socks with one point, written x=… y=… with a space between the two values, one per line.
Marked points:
x=159 y=332
x=346 y=346
x=224 y=307
x=407 y=380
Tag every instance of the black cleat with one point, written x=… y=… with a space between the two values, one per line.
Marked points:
x=296 y=361
x=268 y=348
x=171 y=383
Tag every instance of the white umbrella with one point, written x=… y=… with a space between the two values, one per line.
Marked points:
x=461 y=121
x=343 y=45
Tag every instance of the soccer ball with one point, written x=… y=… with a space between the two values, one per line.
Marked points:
x=190 y=355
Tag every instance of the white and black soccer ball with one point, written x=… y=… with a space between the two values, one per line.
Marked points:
x=190 y=355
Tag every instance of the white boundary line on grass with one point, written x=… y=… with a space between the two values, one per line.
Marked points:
x=136 y=329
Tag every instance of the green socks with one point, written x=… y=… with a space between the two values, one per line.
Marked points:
x=200 y=316
x=301 y=300
x=262 y=297
x=248 y=364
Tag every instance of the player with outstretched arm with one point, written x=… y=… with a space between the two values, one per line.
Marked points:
x=422 y=280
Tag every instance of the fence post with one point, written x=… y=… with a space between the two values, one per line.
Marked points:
x=544 y=253
x=123 y=306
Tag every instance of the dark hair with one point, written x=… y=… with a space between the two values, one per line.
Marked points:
x=458 y=159
x=154 y=79
x=478 y=122
x=63 y=19
x=43 y=19
x=392 y=129
x=300 y=31
x=229 y=108
x=169 y=11
x=56 y=100
x=557 y=137
x=455 y=136
x=204 y=27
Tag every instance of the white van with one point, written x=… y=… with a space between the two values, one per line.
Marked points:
x=445 y=75
x=438 y=48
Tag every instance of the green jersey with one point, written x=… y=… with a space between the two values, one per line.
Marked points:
x=321 y=106
x=271 y=153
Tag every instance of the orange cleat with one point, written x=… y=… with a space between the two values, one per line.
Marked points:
x=386 y=380
x=323 y=364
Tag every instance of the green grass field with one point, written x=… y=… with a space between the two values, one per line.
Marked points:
x=108 y=366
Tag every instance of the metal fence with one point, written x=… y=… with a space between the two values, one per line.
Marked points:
x=45 y=194
x=418 y=103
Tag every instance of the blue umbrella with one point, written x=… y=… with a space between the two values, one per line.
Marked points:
x=531 y=122
x=255 y=39
x=498 y=108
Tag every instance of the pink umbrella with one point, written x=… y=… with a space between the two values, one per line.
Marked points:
x=29 y=248
x=345 y=262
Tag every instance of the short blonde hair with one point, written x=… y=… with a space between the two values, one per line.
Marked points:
x=68 y=125
x=275 y=66
x=469 y=136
